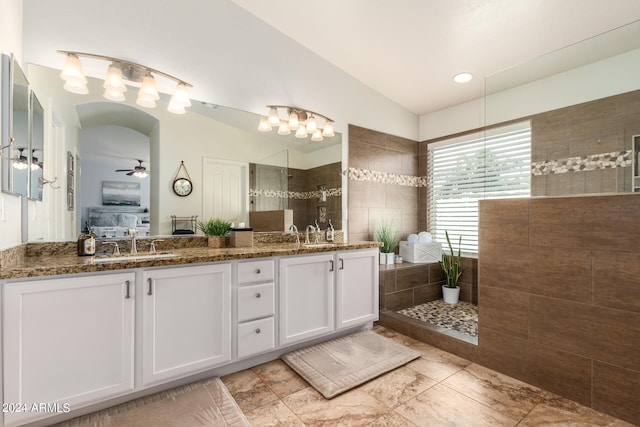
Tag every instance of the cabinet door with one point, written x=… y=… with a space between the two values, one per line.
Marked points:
x=357 y=288
x=186 y=321
x=306 y=297
x=67 y=341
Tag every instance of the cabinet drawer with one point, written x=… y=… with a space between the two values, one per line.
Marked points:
x=256 y=337
x=255 y=301
x=255 y=271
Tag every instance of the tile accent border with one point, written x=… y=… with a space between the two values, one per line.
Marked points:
x=358 y=174
x=616 y=159
x=302 y=195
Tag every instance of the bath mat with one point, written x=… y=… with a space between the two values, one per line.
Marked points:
x=205 y=403
x=340 y=364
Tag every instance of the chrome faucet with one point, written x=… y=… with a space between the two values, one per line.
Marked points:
x=294 y=229
x=132 y=233
x=306 y=236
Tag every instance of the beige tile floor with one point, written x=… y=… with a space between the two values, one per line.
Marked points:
x=438 y=389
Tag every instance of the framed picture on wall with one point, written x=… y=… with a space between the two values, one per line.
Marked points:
x=119 y=193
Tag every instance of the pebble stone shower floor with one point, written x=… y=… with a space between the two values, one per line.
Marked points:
x=461 y=317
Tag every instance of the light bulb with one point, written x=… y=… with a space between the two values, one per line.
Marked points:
x=301 y=132
x=317 y=135
x=327 y=132
x=140 y=174
x=113 y=95
x=311 y=124
x=181 y=95
x=72 y=69
x=274 y=120
x=148 y=93
x=264 y=126
x=114 y=82
x=284 y=129
x=293 y=121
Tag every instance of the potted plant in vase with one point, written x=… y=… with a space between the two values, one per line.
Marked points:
x=451 y=266
x=386 y=233
x=215 y=229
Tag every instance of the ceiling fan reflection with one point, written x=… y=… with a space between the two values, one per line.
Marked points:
x=138 y=171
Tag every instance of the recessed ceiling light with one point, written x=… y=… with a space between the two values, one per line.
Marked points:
x=462 y=77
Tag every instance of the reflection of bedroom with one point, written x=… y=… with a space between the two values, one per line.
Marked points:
x=103 y=150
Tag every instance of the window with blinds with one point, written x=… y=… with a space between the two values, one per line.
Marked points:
x=461 y=171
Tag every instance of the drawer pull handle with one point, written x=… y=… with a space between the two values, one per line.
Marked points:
x=127 y=295
x=150 y=291
x=258 y=295
x=258 y=330
x=341 y=264
x=257 y=271
x=331 y=261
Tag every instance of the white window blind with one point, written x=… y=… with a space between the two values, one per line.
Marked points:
x=463 y=170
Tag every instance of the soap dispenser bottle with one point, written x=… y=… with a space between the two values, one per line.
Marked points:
x=330 y=233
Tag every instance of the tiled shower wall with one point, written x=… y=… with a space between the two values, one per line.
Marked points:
x=383 y=182
x=585 y=148
x=559 y=296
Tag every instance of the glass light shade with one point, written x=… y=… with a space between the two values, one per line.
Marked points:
x=114 y=82
x=72 y=69
x=317 y=135
x=462 y=77
x=148 y=89
x=20 y=163
x=328 y=129
x=35 y=166
x=264 y=126
x=311 y=125
x=140 y=174
x=181 y=95
x=301 y=132
x=113 y=95
x=284 y=129
x=175 y=107
x=293 y=121
x=76 y=86
x=148 y=103
x=274 y=120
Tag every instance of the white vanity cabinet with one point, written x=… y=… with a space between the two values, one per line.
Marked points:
x=256 y=308
x=306 y=289
x=186 y=320
x=356 y=287
x=67 y=341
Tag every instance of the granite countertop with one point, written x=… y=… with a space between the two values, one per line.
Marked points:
x=51 y=265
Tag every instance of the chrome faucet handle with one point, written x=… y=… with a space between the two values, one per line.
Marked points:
x=152 y=245
x=116 y=248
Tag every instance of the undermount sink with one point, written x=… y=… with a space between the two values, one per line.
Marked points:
x=119 y=258
x=319 y=245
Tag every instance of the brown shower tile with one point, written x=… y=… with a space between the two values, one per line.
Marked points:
x=354 y=408
x=616 y=280
x=504 y=221
x=399 y=300
x=615 y=391
x=537 y=270
x=505 y=394
x=441 y=405
x=385 y=160
x=598 y=333
x=401 y=144
x=504 y=310
x=407 y=278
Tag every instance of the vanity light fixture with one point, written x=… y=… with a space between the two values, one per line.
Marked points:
x=304 y=122
x=119 y=72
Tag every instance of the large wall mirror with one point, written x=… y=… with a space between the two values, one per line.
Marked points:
x=15 y=127
x=104 y=137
